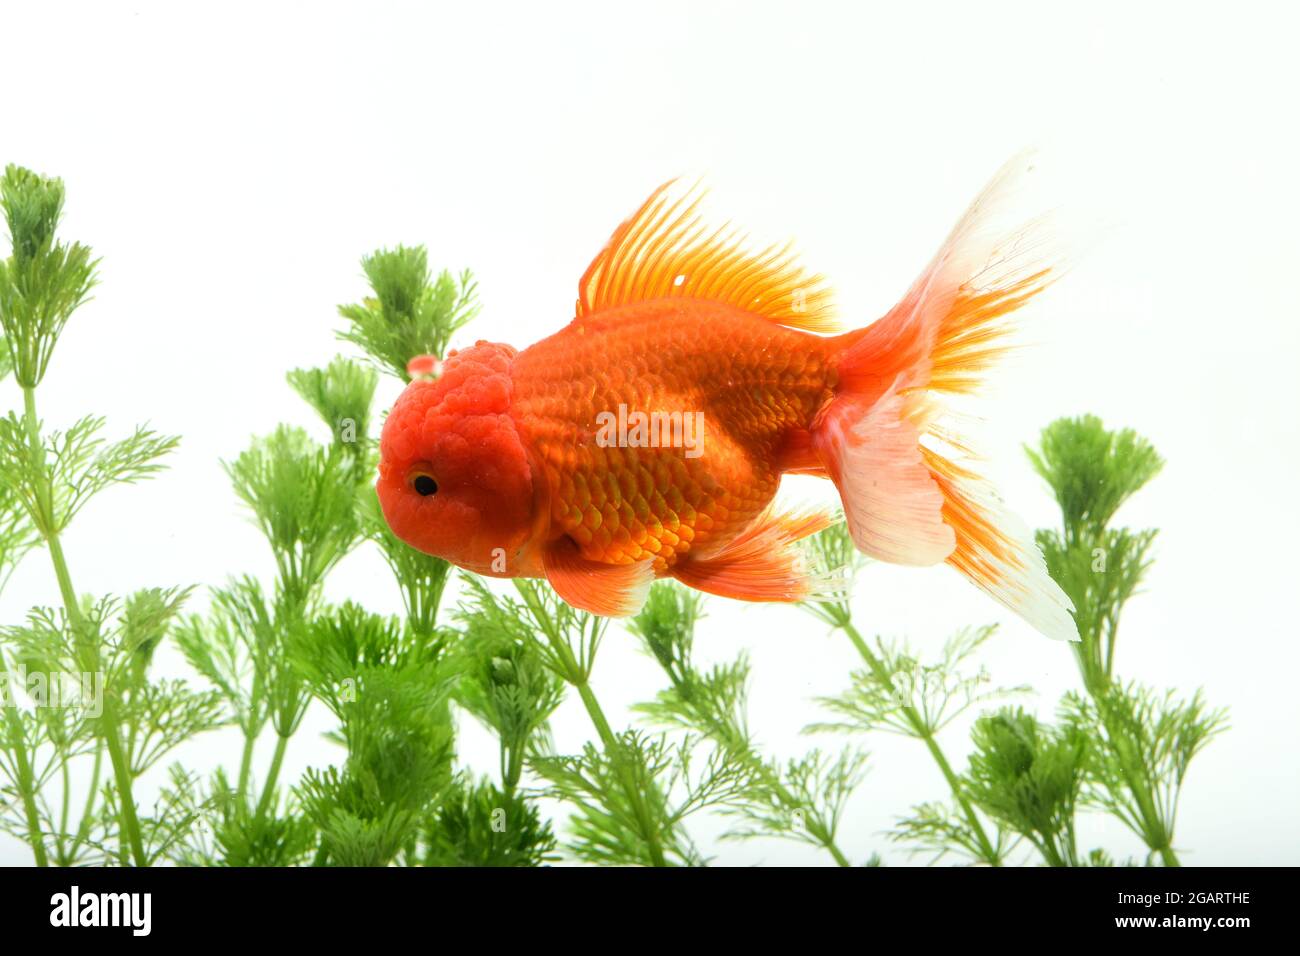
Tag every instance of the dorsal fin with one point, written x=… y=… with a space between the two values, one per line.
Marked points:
x=667 y=250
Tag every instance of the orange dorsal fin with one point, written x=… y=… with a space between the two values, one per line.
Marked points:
x=668 y=250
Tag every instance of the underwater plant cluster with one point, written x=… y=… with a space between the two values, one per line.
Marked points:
x=81 y=703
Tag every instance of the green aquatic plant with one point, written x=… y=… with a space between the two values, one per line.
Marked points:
x=801 y=800
x=1118 y=748
x=896 y=692
x=1144 y=740
x=410 y=313
x=390 y=694
x=623 y=816
x=302 y=498
x=104 y=645
x=397 y=687
x=1028 y=777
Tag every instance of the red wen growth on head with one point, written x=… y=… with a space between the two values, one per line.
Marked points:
x=648 y=437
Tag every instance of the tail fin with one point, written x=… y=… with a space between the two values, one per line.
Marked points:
x=904 y=501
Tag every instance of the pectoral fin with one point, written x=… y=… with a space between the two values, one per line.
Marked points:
x=611 y=590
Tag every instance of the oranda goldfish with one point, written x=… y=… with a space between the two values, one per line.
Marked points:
x=506 y=463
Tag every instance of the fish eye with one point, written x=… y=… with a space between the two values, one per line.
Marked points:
x=424 y=485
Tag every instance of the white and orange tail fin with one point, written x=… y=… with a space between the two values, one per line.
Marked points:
x=882 y=439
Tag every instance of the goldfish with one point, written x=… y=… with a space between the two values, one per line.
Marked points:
x=648 y=437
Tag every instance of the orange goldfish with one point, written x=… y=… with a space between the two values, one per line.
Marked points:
x=648 y=437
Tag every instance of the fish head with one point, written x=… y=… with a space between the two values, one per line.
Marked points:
x=454 y=474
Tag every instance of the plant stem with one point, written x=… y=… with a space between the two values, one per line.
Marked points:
x=923 y=732
x=83 y=829
x=1153 y=829
x=110 y=729
x=252 y=727
x=122 y=777
x=835 y=852
x=512 y=767
x=633 y=792
x=1050 y=853
x=64 y=802
x=268 y=789
x=576 y=675
x=25 y=783
x=1099 y=687
x=246 y=763
x=597 y=715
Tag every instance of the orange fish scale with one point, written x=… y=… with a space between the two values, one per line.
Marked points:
x=754 y=381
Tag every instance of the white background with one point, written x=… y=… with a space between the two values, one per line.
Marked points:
x=231 y=166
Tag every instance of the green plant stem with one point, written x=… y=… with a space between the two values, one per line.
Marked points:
x=64 y=803
x=110 y=729
x=252 y=728
x=922 y=731
x=83 y=829
x=833 y=849
x=268 y=789
x=597 y=715
x=575 y=675
x=1099 y=687
x=634 y=794
x=1154 y=833
x=25 y=782
x=578 y=679
x=1050 y=854
x=246 y=763
x=1112 y=631
x=512 y=768
x=122 y=777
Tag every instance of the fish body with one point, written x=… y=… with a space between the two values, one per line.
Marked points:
x=648 y=437
x=744 y=389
